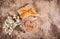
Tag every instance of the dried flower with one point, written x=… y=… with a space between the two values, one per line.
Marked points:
x=10 y=24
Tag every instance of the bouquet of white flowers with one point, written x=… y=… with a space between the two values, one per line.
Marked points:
x=11 y=23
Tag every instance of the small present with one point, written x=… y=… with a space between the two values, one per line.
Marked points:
x=26 y=11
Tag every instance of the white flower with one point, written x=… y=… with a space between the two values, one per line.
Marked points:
x=14 y=16
x=10 y=24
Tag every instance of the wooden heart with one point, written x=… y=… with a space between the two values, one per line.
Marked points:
x=29 y=25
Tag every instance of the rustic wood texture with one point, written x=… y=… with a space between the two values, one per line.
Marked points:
x=49 y=11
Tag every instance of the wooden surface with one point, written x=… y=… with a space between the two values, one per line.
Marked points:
x=49 y=14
